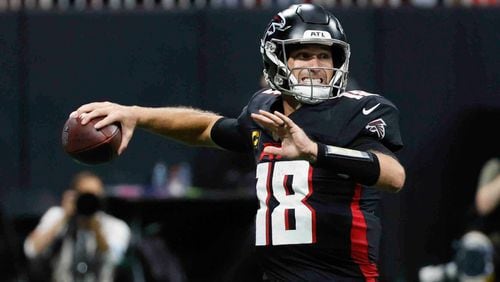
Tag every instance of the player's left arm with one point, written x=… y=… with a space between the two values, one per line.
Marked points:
x=391 y=174
x=375 y=166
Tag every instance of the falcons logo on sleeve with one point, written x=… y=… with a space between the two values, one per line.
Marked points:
x=377 y=126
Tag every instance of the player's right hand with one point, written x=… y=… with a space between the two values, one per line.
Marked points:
x=295 y=144
x=112 y=113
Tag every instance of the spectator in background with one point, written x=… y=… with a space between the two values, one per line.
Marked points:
x=476 y=253
x=78 y=240
x=487 y=205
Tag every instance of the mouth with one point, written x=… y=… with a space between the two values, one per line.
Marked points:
x=314 y=81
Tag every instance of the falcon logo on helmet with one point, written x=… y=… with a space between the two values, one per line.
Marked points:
x=278 y=23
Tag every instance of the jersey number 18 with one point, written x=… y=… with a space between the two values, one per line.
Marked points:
x=293 y=220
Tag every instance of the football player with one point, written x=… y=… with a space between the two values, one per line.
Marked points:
x=322 y=154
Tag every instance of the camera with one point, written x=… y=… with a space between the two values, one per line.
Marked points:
x=87 y=204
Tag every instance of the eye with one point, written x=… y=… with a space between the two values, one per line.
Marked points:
x=302 y=55
x=324 y=56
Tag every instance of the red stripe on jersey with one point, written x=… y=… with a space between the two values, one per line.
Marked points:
x=268 y=214
x=269 y=156
x=304 y=201
x=288 y=189
x=359 y=239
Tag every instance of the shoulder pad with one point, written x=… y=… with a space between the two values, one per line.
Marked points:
x=263 y=100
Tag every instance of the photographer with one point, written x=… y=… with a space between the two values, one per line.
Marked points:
x=77 y=240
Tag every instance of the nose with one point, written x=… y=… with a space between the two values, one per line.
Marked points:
x=315 y=61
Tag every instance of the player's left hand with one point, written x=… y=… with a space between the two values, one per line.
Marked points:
x=294 y=142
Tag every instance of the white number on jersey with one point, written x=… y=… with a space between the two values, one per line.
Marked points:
x=292 y=202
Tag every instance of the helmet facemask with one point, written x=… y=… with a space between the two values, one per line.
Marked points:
x=307 y=91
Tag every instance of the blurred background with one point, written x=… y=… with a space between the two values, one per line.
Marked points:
x=437 y=60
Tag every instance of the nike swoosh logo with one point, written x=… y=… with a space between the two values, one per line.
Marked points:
x=368 y=111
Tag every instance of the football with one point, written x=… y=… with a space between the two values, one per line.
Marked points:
x=90 y=146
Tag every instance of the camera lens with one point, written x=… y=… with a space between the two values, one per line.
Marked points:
x=87 y=204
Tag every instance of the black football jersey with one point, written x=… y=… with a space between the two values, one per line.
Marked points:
x=312 y=223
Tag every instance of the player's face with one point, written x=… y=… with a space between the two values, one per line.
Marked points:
x=311 y=64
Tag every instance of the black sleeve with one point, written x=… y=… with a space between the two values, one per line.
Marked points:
x=384 y=127
x=227 y=134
